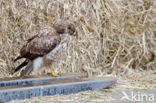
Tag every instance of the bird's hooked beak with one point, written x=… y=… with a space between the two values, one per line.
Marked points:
x=75 y=34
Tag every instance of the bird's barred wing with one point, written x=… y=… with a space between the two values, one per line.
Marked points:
x=40 y=45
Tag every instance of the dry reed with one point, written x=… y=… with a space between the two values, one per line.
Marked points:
x=114 y=36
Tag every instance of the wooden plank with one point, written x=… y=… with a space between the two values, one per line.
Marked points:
x=64 y=86
x=35 y=79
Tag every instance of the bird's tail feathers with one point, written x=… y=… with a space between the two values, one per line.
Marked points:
x=27 y=70
x=21 y=66
x=19 y=57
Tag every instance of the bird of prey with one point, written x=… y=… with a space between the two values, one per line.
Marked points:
x=42 y=49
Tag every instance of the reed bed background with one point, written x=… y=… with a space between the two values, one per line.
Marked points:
x=116 y=37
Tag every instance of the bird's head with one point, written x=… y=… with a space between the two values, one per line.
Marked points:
x=70 y=29
x=66 y=27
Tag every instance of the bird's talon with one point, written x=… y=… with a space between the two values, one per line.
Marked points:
x=53 y=73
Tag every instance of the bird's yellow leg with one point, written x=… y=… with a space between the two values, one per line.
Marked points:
x=53 y=73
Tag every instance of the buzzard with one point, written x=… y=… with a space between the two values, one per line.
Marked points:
x=43 y=49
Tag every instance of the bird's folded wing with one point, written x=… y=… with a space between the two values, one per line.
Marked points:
x=39 y=46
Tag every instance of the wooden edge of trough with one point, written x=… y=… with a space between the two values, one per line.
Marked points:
x=60 y=86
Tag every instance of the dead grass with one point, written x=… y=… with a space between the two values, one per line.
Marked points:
x=115 y=36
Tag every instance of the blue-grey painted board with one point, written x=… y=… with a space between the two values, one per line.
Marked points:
x=53 y=89
x=35 y=80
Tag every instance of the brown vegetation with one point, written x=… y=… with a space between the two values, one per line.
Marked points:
x=113 y=35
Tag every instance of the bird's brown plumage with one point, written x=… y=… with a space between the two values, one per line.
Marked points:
x=47 y=39
x=40 y=44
